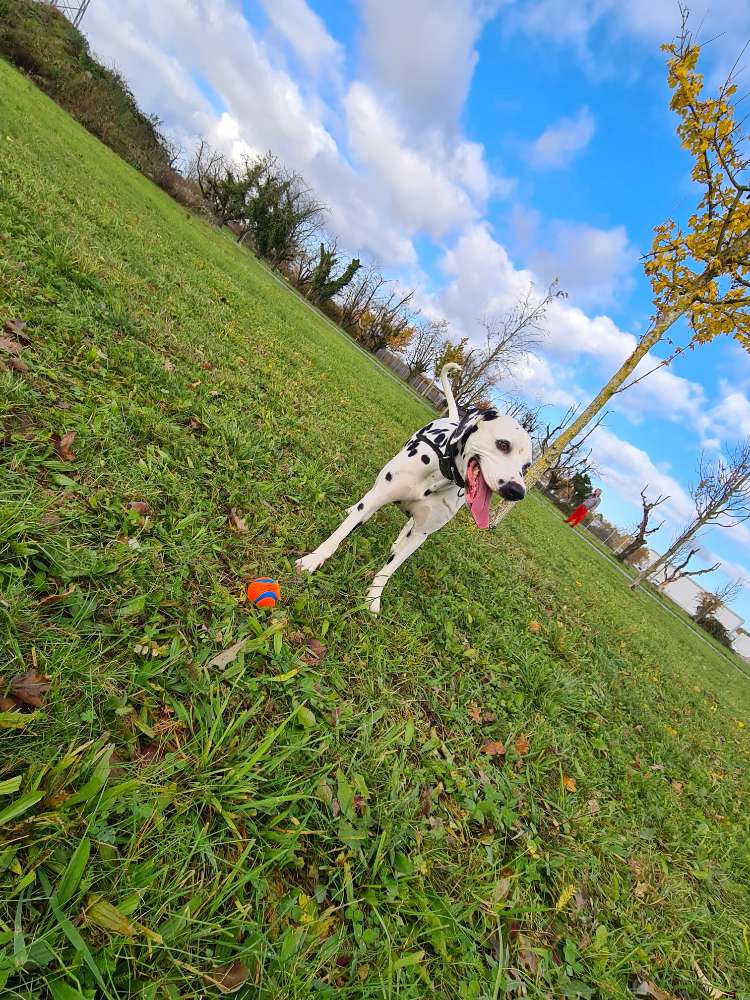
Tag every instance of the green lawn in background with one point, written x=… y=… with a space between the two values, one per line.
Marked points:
x=310 y=824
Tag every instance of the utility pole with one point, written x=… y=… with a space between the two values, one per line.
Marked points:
x=73 y=11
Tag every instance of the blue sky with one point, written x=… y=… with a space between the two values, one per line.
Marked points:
x=473 y=146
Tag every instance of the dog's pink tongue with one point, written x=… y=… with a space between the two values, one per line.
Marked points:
x=478 y=499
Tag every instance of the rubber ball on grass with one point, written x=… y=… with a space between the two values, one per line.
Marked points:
x=263 y=592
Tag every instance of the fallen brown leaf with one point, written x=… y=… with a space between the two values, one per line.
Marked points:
x=475 y=712
x=168 y=366
x=9 y=346
x=63 y=445
x=488 y=716
x=425 y=801
x=316 y=651
x=359 y=803
x=194 y=424
x=229 y=978
x=493 y=748
x=335 y=807
x=139 y=507
x=714 y=992
x=228 y=655
x=237 y=522
x=534 y=626
x=207 y=366
x=19 y=365
x=641 y=890
x=677 y=787
x=53 y=598
x=580 y=901
x=593 y=806
x=343 y=960
x=9 y=705
x=30 y=688
x=522 y=744
x=569 y=784
x=526 y=956
x=16 y=327
x=646 y=988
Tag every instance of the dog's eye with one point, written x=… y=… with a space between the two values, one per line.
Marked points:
x=503 y=446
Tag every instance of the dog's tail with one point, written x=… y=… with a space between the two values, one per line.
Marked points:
x=447 y=390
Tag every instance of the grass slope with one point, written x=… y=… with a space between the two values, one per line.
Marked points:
x=323 y=827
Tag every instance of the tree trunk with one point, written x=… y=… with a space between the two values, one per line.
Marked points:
x=655 y=567
x=629 y=549
x=603 y=396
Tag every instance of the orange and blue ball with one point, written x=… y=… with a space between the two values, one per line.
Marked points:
x=263 y=592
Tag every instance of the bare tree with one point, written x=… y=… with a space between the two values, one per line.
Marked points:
x=527 y=416
x=721 y=498
x=508 y=338
x=359 y=295
x=424 y=347
x=575 y=457
x=711 y=602
x=643 y=530
x=676 y=569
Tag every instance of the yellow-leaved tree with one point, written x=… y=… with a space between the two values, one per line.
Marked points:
x=699 y=270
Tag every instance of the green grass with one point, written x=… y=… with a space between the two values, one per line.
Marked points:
x=333 y=826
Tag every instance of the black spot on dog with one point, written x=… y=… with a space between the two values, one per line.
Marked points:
x=427 y=492
x=390 y=557
x=389 y=476
x=360 y=506
x=467 y=434
x=489 y=415
x=408 y=533
x=440 y=437
x=426 y=459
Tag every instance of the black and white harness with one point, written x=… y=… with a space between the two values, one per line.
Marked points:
x=447 y=459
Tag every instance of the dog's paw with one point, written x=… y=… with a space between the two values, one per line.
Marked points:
x=308 y=564
x=373 y=603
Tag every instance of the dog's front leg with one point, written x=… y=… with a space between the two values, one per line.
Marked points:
x=369 y=504
x=405 y=545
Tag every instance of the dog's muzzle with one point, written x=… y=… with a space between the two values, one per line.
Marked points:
x=512 y=491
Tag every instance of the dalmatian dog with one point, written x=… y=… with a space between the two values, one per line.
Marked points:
x=452 y=461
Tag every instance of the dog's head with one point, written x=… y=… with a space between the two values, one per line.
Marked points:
x=494 y=452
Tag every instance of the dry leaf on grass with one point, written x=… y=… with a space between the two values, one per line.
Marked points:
x=534 y=626
x=569 y=784
x=53 y=598
x=9 y=705
x=228 y=655
x=8 y=346
x=475 y=712
x=139 y=507
x=207 y=366
x=228 y=978
x=30 y=688
x=593 y=806
x=527 y=957
x=646 y=988
x=168 y=366
x=522 y=745
x=425 y=801
x=19 y=365
x=63 y=446
x=714 y=992
x=316 y=651
x=493 y=748
x=237 y=522
x=16 y=327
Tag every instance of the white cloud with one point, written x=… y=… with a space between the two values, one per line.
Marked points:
x=429 y=89
x=628 y=469
x=306 y=33
x=420 y=191
x=726 y=23
x=593 y=265
x=559 y=143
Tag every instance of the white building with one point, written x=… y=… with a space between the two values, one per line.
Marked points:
x=686 y=593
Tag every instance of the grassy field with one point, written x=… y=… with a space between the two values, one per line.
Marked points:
x=310 y=820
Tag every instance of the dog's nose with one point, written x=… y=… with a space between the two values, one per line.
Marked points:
x=512 y=491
